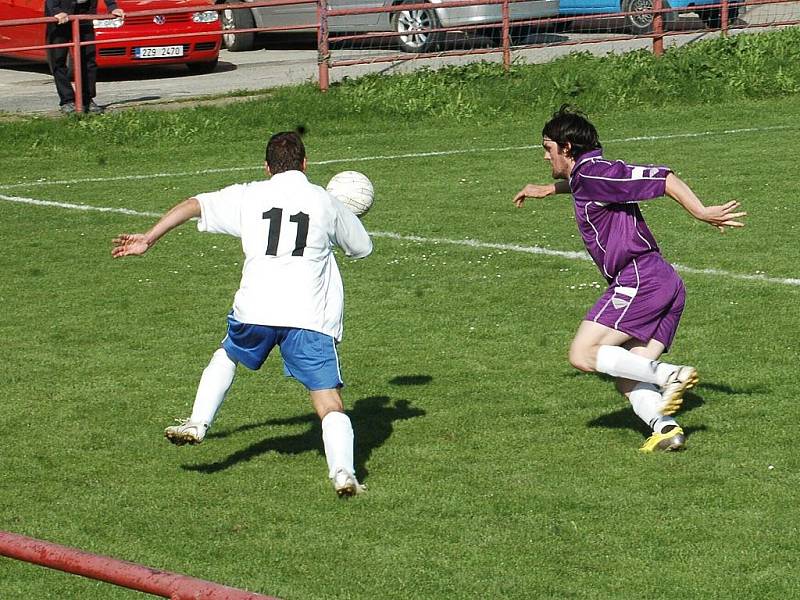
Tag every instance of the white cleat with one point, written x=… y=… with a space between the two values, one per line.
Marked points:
x=680 y=380
x=186 y=432
x=346 y=485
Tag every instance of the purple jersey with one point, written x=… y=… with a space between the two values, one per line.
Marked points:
x=606 y=194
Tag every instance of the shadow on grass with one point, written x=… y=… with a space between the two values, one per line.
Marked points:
x=373 y=422
x=722 y=388
x=411 y=380
x=625 y=418
x=734 y=391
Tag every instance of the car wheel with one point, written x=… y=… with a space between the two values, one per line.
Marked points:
x=712 y=17
x=641 y=22
x=559 y=27
x=201 y=68
x=238 y=19
x=492 y=35
x=517 y=35
x=409 y=23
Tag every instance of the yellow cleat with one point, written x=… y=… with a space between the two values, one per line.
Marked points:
x=684 y=378
x=671 y=441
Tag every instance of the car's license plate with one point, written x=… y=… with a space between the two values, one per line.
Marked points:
x=158 y=51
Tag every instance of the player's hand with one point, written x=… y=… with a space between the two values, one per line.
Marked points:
x=129 y=244
x=61 y=17
x=533 y=190
x=118 y=12
x=724 y=215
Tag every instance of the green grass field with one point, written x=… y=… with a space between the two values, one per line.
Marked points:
x=494 y=469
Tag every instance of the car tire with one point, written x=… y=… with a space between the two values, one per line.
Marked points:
x=408 y=21
x=238 y=19
x=518 y=35
x=559 y=27
x=712 y=17
x=201 y=68
x=642 y=24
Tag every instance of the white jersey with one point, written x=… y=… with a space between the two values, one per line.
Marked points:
x=288 y=228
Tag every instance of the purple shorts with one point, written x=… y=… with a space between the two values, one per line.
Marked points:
x=645 y=300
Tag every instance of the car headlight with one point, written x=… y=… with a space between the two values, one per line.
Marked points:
x=108 y=23
x=207 y=16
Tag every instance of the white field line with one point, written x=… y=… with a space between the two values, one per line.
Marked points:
x=571 y=255
x=84 y=207
x=644 y=138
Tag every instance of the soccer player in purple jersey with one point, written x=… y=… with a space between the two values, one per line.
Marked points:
x=635 y=320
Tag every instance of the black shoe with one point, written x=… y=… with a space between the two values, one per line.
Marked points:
x=93 y=108
x=68 y=108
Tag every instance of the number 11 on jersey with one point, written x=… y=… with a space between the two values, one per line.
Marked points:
x=274 y=216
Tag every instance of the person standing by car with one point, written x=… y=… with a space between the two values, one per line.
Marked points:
x=61 y=33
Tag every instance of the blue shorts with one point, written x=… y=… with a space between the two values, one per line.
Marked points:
x=308 y=356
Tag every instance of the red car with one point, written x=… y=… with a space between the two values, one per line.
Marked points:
x=199 y=53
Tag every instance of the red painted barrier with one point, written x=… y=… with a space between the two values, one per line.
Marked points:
x=326 y=42
x=118 y=572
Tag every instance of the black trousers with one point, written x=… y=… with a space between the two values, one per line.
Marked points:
x=57 y=59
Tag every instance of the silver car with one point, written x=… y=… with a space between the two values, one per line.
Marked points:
x=410 y=24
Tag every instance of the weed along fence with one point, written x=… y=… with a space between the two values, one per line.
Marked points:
x=510 y=35
x=401 y=31
x=118 y=572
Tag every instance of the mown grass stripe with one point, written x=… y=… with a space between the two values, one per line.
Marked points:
x=478 y=244
x=643 y=138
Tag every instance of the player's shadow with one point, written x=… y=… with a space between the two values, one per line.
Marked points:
x=625 y=418
x=734 y=391
x=373 y=422
x=723 y=388
x=411 y=380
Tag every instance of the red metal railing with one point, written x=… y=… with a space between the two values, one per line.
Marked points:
x=324 y=39
x=76 y=44
x=657 y=34
x=118 y=572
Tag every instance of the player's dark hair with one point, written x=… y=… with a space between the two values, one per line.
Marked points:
x=568 y=124
x=285 y=152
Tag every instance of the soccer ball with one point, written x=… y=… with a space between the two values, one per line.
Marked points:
x=353 y=189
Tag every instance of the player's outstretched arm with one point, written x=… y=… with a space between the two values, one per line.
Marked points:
x=534 y=190
x=350 y=234
x=136 y=244
x=719 y=216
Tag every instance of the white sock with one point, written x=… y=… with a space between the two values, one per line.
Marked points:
x=619 y=362
x=645 y=400
x=214 y=384
x=664 y=422
x=337 y=437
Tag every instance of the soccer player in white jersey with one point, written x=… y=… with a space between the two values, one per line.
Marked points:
x=634 y=322
x=290 y=295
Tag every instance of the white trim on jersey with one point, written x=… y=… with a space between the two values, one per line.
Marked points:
x=596 y=237
x=632 y=178
x=630 y=292
x=626 y=291
x=639 y=233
